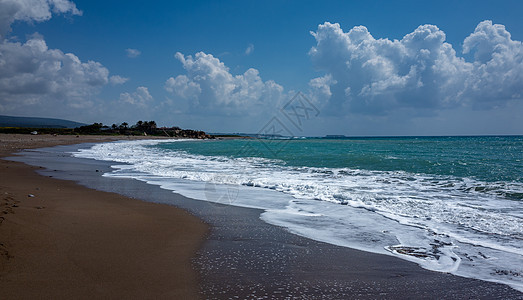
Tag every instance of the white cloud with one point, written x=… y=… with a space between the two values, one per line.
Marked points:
x=421 y=70
x=320 y=88
x=249 y=49
x=117 y=79
x=32 y=10
x=209 y=84
x=183 y=87
x=133 y=53
x=46 y=79
x=140 y=97
x=497 y=67
x=36 y=80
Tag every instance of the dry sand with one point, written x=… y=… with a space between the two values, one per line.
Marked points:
x=72 y=242
x=60 y=240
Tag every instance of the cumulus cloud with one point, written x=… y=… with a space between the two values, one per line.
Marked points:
x=34 y=75
x=32 y=10
x=249 y=49
x=141 y=97
x=133 y=53
x=117 y=79
x=183 y=87
x=320 y=88
x=421 y=70
x=209 y=84
x=36 y=79
x=498 y=65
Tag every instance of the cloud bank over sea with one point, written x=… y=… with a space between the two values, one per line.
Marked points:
x=421 y=71
x=382 y=82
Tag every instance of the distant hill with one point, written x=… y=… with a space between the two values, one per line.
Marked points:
x=7 y=121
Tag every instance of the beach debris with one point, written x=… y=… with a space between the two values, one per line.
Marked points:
x=508 y=272
x=30 y=195
x=406 y=250
x=34 y=132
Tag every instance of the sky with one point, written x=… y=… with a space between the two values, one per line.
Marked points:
x=301 y=68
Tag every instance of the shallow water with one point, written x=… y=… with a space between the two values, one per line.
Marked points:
x=449 y=204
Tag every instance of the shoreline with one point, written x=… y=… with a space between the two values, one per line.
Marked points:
x=62 y=240
x=243 y=256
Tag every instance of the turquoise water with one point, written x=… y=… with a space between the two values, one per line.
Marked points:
x=488 y=159
x=450 y=204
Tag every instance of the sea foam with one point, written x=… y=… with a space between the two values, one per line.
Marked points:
x=443 y=223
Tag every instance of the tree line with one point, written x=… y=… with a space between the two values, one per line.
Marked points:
x=141 y=128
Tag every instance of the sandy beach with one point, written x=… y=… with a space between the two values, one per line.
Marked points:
x=59 y=240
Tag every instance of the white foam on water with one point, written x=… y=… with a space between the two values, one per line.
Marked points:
x=443 y=223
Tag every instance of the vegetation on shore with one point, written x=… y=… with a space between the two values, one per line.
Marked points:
x=148 y=128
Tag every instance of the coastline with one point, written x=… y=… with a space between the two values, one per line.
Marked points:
x=62 y=240
x=243 y=256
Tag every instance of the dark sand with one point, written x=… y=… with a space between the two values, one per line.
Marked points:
x=246 y=258
x=59 y=240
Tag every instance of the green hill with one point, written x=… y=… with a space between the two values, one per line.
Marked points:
x=30 y=122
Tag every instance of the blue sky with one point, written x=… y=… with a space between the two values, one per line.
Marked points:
x=240 y=62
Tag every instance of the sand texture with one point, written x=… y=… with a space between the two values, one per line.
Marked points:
x=59 y=240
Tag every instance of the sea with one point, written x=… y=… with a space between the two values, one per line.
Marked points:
x=449 y=204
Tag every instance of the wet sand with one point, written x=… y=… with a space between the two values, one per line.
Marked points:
x=246 y=258
x=60 y=240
